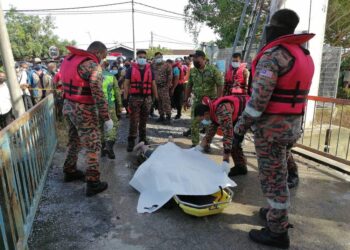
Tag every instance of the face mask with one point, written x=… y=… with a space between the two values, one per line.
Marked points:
x=206 y=122
x=142 y=61
x=235 y=64
x=121 y=65
x=197 y=64
x=114 y=71
x=159 y=60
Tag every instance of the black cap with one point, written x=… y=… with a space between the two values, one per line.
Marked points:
x=285 y=18
x=199 y=53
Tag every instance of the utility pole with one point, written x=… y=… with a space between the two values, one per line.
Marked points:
x=151 y=39
x=7 y=57
x=239 y=29
x=133 y=28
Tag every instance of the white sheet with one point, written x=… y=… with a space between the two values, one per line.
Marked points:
x=171 y=171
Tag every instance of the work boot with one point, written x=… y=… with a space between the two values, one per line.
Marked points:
x=103 y=149
x=95 y=187
x=207 y=149
x=187 y=133
x=73 y=176
x=160 y=119
x=263 y=213
x=131 y=144
x=266 y=237
x=293 y=180
x=168 y=120
x=109 y=149
x=238 y=170
x=177 y=117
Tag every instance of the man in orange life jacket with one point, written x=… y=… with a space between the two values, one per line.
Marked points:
x=139 y=85
x=178 y=88
x=282 y=75
x=84 y=106
x=236 y=77
x=223 y=112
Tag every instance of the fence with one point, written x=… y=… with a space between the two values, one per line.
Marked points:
x=27 y=147
x=328 y=133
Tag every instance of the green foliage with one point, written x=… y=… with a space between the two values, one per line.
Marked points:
x=31 y=36
x=338 y=23
x=152 y=50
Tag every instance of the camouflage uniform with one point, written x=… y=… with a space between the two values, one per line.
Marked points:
x=203 y=83
x=274 y=135
x=83 y=123
x=163 y=76
x=224 y=113
x=139 y=107
x=112 y=95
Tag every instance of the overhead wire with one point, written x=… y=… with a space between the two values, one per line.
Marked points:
x=156 y=8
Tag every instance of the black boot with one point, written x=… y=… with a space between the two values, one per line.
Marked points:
x=168 y=120
x=109 y=149
x=177 y=117
x=293 y=180
x=238 y=170
x=266 y=237
x=144 y=139
x=207 y=149
x=131 y=144
x=263 y=213
x=76 y=175
x=103 y=149
x=95 y=187
x=161 y=119
x=187 y=133
x=203 y=131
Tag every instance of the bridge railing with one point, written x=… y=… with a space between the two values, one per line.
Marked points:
x=27 y=147
x=327 y=128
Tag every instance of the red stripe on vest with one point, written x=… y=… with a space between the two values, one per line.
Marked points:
x=75 y=88
x=290 y=94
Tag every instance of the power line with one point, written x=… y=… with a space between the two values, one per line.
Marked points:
x=159 y=15
x=80 y=12
x=74 y=8
x=174 y=42
x=167 y=11
x=165 y=37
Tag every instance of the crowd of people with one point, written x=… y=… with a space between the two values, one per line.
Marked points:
x=268 y=100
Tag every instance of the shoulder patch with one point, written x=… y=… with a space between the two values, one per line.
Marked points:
x=266 y=73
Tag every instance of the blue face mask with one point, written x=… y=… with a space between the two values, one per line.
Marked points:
x=114 y=71
x=141 y=61
x=206 y=122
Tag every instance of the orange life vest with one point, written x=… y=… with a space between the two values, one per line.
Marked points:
x=236 y=81
x=137 y=86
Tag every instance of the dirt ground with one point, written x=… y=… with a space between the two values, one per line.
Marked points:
x=66 y=219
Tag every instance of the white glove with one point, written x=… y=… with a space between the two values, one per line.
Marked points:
x=108 y=125
x=199 y=148
x=225 y=166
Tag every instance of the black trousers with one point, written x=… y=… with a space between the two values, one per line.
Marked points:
x=6 y=119
x=178 y=97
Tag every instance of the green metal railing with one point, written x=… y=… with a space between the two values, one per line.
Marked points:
x=27 y=147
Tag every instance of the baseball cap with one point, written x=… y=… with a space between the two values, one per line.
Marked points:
x=37 y=60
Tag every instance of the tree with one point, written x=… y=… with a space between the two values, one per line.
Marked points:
x=31 y=36
x=338 y=23
x=152 y=50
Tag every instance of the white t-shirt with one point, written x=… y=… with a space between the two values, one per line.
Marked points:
x=5 y=103
x=22 y=79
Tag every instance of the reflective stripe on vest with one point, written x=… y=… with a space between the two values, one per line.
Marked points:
x=292 y=88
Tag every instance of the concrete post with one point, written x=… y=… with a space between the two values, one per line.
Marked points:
x=313 y=16
x=7 y=57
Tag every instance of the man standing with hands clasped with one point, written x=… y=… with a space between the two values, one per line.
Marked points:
x=282 y=74
x=139 y=86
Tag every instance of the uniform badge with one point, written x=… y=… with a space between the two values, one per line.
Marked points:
x=266 y=73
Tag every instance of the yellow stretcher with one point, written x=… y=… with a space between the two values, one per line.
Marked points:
x=200 y=206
